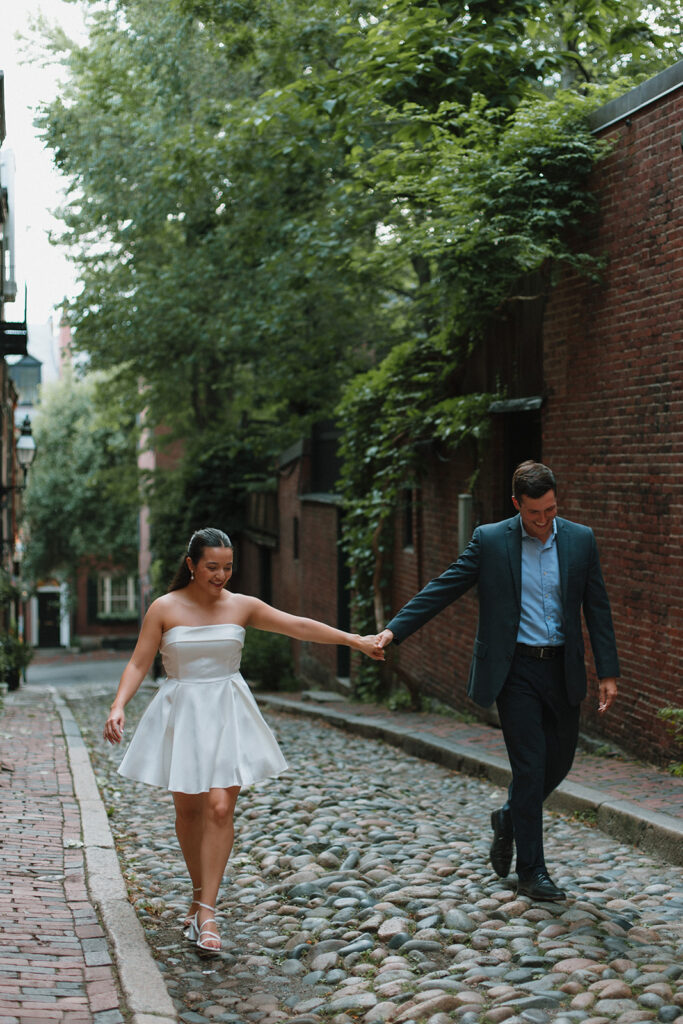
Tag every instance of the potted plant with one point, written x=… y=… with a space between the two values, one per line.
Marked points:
x=15 y=656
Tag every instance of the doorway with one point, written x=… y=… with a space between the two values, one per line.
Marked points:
x=522 y=439
x=49 y=613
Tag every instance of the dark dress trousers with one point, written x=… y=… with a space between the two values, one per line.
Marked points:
x=538 y=701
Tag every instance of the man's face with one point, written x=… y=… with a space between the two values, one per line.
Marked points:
x=537 y=514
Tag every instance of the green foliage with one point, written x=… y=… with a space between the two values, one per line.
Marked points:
x=498 y=196
x=82 y=494
x=267 y=661
x=8 y=591
x=673 y=717
x=209 y=487
x=15 y=656
x=268 y=200
x=599 y=40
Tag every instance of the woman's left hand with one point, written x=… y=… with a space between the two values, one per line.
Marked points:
x=368 y=645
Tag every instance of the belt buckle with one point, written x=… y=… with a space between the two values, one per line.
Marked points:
x=545 y=653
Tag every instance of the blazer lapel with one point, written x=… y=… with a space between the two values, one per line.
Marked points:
x=563 y=557
x=513 y=540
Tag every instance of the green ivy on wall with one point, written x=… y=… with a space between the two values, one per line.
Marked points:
x=499 y=197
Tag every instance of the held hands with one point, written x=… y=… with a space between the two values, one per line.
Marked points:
x=607 y=694
x=374 y=646
x=113 y=727
x=368 y=645
x=383 y=639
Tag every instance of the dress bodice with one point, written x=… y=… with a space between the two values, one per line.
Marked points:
x=202 y=654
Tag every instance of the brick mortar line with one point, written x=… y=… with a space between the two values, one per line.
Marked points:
x=653 y=832
x=143 y=986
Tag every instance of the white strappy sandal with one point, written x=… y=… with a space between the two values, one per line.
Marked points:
x=199 y=933
x=189 y=918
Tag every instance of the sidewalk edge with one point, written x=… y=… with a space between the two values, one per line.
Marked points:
x=143 y=986
x=657 y=834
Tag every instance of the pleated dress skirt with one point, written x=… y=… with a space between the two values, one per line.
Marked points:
x=203 y=728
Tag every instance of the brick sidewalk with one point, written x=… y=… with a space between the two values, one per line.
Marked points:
x=54 y=958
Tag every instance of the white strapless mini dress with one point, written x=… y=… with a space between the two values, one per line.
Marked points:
x=203 y=727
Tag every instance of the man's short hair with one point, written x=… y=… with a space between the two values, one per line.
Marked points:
x=533 y=479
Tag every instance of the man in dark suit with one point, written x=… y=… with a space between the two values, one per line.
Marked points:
x=535 y=572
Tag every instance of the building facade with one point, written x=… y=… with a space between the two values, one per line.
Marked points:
x=594 y=375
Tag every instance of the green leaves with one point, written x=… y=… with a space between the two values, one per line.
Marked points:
x=82 y=495
x=269 y=199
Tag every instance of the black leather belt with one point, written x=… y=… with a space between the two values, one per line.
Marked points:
x=540 y=653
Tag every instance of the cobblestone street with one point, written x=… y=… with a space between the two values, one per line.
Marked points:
x=360 y=889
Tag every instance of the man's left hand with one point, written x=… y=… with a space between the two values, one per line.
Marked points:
x=607 y=694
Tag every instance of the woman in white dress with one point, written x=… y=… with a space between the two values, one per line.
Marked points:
x=202 y=736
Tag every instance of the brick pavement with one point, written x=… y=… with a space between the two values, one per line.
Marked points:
x=55 y=963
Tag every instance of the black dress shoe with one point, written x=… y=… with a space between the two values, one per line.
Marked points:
x=539 y=887
x=501 y=847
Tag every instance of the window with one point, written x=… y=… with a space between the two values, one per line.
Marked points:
x=116 y=596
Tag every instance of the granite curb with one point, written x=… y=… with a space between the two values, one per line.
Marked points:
x=654 y=833
x=141 y=981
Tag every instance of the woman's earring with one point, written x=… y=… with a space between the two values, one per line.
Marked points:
x=191 y=575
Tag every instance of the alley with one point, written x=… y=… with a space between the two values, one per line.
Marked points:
x=360 y=889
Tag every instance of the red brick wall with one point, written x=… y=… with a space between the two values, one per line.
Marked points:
x=613 y=419
x=613 y=381
x=318 y=569
x=288 y=570
x=437 y=658
x=613 y=374
x=307 y=584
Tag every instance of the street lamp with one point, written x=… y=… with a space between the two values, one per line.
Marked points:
x=25 y=448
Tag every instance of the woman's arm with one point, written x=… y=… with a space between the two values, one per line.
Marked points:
x=134 y=672
x=263 y=616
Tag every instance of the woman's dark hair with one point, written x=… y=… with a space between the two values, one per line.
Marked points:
x=533 y=479
x=200 y=539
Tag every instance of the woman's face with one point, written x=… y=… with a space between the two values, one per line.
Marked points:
x=213 y=570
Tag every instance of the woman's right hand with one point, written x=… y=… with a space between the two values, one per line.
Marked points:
x=113 y=727
x=368 y=645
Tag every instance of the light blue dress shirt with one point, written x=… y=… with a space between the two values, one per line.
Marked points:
x=542 y=620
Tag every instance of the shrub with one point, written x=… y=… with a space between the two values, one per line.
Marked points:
x=267 y=661
x=673 y=717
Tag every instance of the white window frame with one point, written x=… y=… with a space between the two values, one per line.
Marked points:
x=104 y=595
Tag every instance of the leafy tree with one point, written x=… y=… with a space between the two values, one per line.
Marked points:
x=203 y=273
x=268 y=198
x=596 y=40
x=82 y=495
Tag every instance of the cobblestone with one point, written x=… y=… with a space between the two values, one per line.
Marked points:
x=360 y=890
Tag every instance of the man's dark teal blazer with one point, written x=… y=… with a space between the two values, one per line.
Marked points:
x=493 y=561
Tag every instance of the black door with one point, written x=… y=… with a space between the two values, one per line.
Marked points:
x=522 y=440
x=48 y=620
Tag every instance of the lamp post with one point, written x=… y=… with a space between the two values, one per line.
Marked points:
x=25 y=450
x=25 y=447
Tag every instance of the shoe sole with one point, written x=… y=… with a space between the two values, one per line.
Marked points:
x=543 y=899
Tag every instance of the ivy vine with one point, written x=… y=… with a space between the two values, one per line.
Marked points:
x=504 y=197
